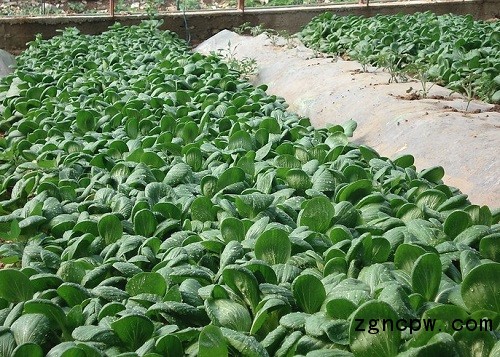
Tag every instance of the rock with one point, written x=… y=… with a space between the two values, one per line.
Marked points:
x=7 y=63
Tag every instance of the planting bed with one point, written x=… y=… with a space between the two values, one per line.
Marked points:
x=437 y=130
x=154 y=204
x=456 y=50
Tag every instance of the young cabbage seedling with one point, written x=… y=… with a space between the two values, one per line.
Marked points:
x=421 y=72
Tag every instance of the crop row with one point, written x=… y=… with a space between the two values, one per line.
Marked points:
x=154 y=204
x=454 y=50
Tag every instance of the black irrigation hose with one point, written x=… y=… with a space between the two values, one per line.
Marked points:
x=186 y=27
x=184 y=17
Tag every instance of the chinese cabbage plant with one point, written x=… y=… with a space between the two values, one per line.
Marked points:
x=154 y=204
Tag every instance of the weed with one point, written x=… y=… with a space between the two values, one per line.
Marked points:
x=273 y=37
x=246 y=66
x=289 y=38
x=466 y=85
x=257 y=30
x=421 y=72
x=243 y=28
x=391 y=62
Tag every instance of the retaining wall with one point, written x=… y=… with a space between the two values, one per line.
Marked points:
x=15 y=32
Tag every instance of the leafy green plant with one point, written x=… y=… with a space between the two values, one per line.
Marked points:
x=246 y=66
x=153 y=203
x=449 y=46
x=257 y=30
x=421 y=71
x=391 y=62
x=468 y=85
x=289 y=38
x=243 y=28
x=273 y=37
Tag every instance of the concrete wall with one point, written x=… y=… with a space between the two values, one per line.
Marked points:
x=16 y=32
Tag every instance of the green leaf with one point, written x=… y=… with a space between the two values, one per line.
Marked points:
x=145 y=222
x=232 y=229
x=309 y=293
x=153 y=160
x=96 y=334
x=340 y=308
x=298 y=179
x=480 y=289
x=229 y=314
x=194 y=158
x=49 y=309
x=441 y=344
x=28 y=349
x=232 y=252
x=240 y=141
x=7 y=342
x=169 y=346
x=426 y=275
x=250 y=205
x=178 y=173
x=489 y=247
x=146 y=283
x=336 y=139
x=35 y=328
x=247 y=346
x=15 y=286
x=242 y=282
x=72 y=293
x=474 y=343
x=273 y=246
x=472 y=235
x=268 y=313
x=406 y=255
x=133 y=330
x=354 y=191
x=212 y=343
x=317 y=214
x=289 y=345
x=433 y=174
x=456 y=223
x=85 y=121
x=368 y=153
x=110 y=228
x=349 y=127
x=229 y=177
x=367 y=335
x=202 y=209
x=469 y=259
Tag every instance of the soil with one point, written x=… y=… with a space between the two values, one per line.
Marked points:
x=436 y=130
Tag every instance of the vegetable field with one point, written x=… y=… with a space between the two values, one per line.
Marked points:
x=454 y=50
x=154 y=204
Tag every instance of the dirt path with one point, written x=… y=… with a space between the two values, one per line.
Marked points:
x=435 y=131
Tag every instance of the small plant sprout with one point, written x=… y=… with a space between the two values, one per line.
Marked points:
x=391 y=62
x=467 y=85
x=257 y=30
x=422 y=72
x=244 y=28
x=246 y=66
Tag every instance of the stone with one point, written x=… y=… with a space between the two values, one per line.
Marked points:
x=7 y=63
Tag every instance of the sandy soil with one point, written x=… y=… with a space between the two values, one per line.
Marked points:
x=436 y=130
